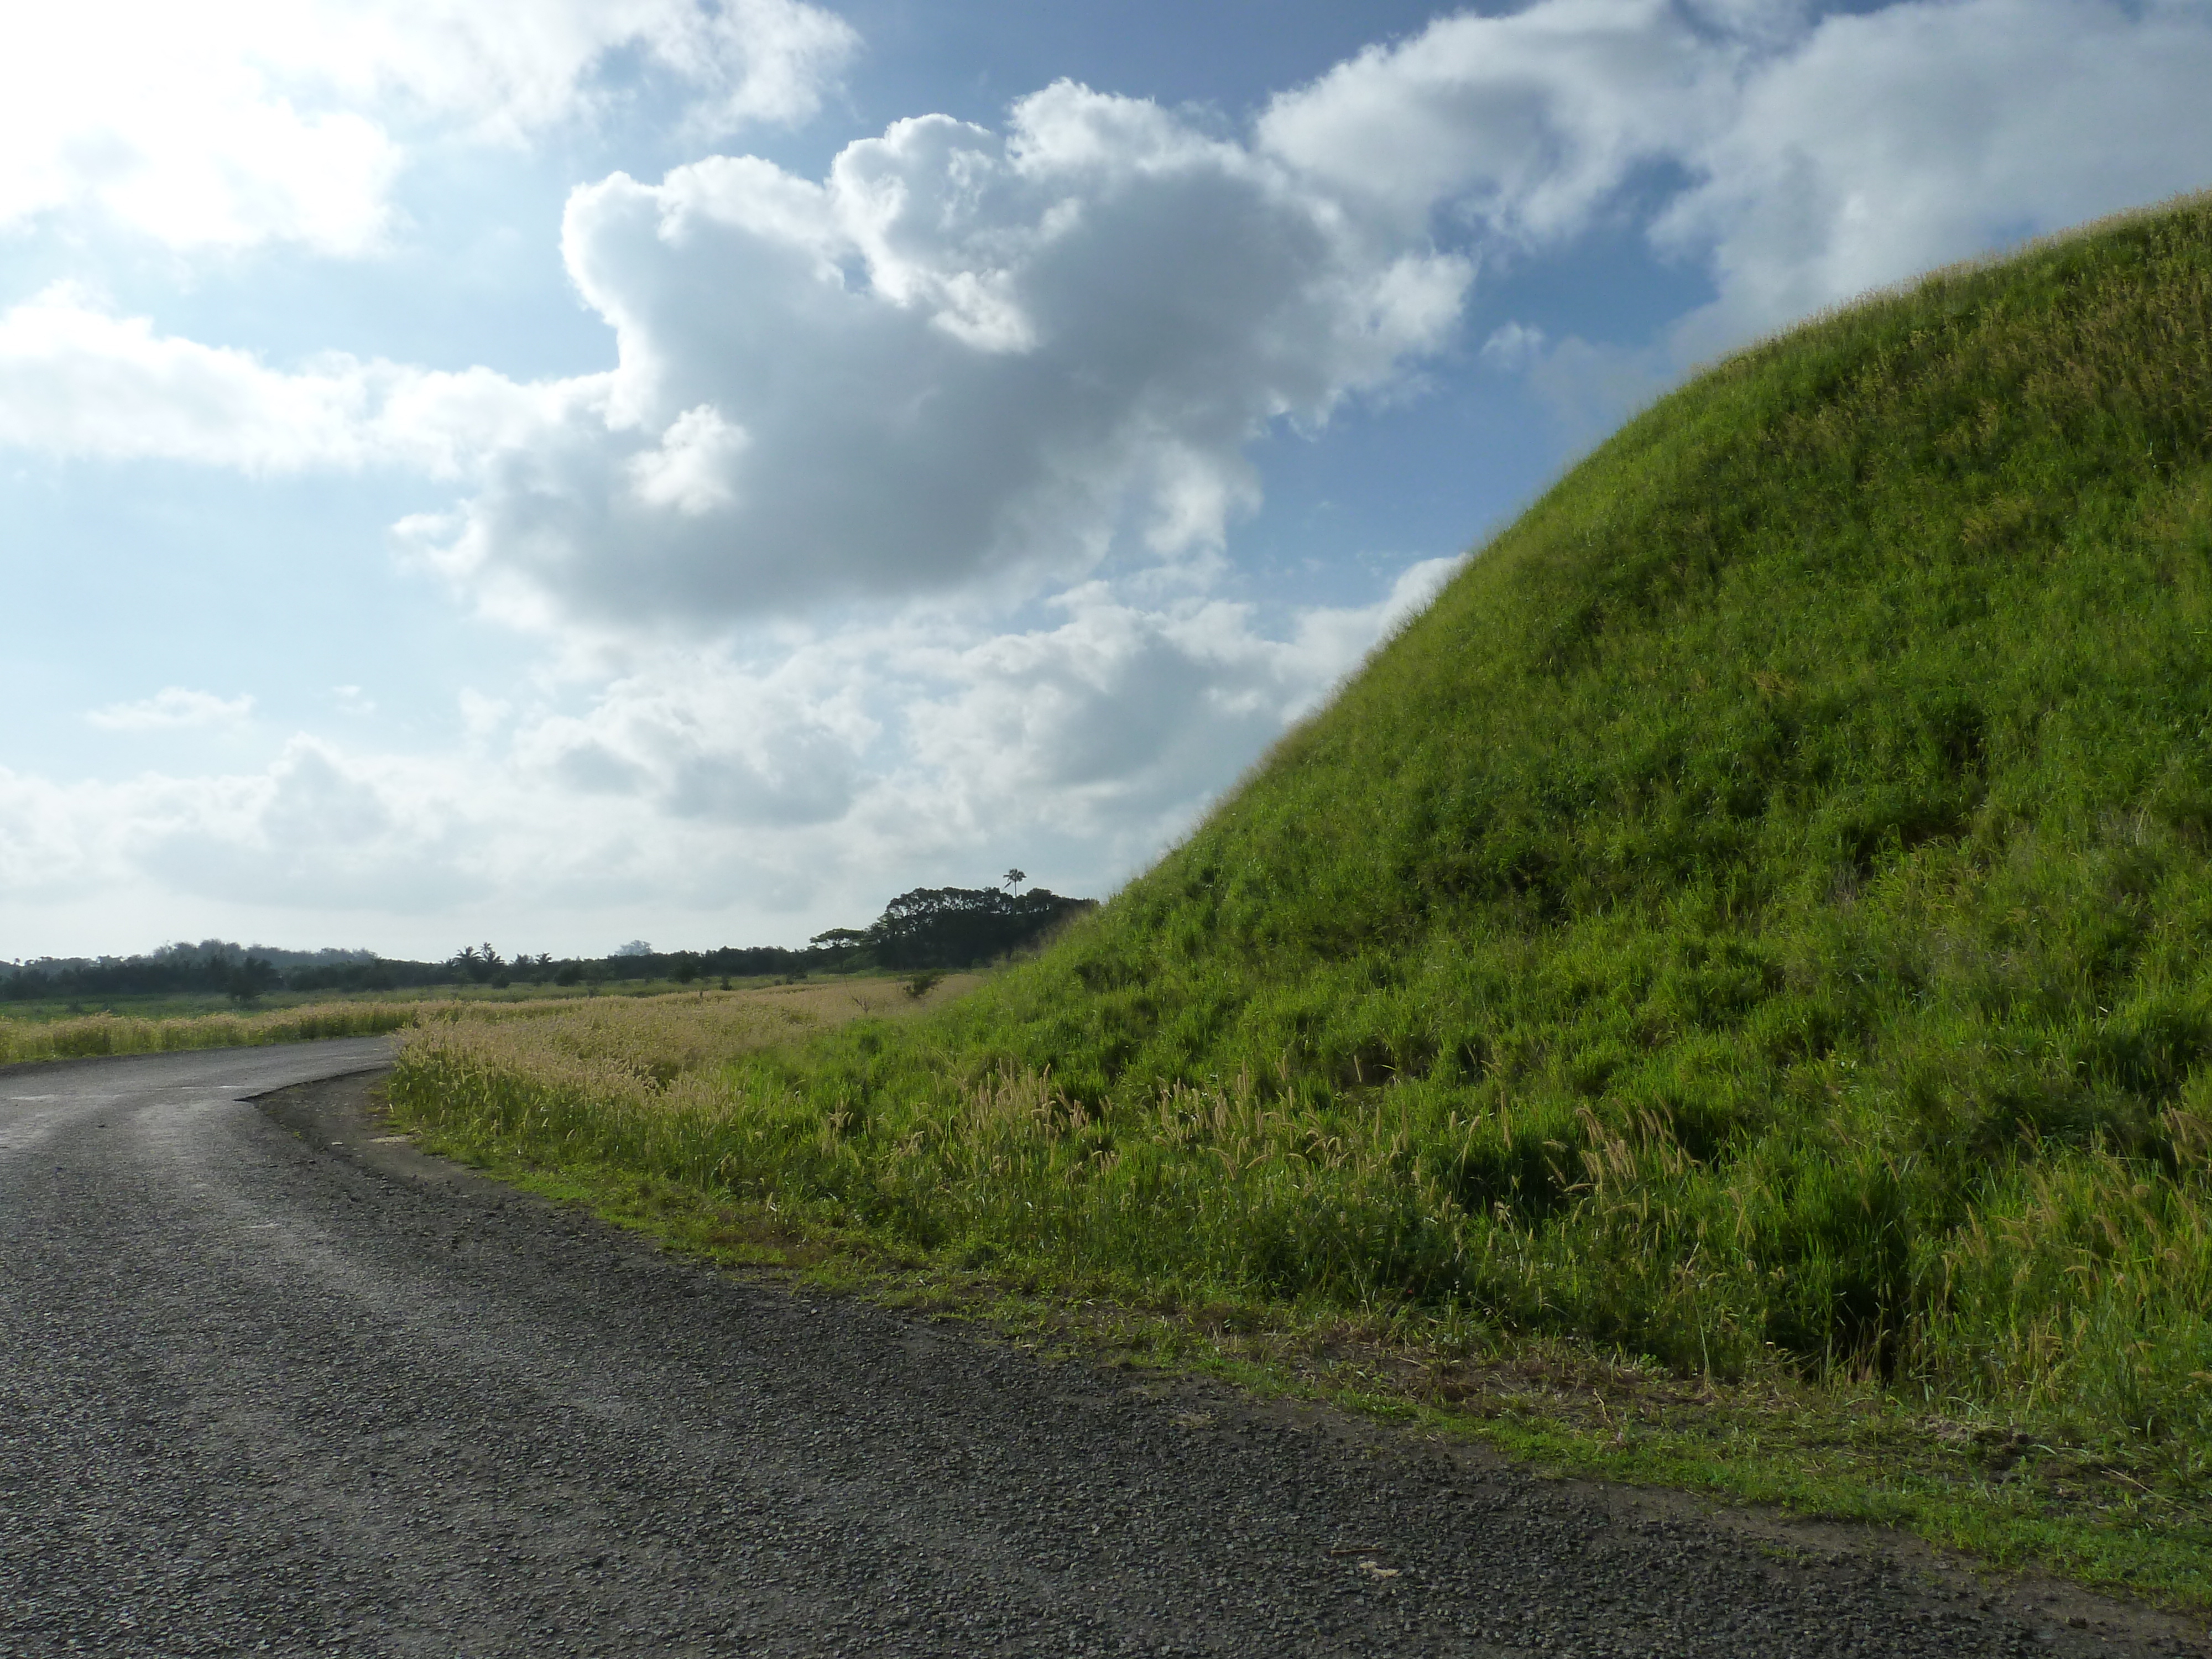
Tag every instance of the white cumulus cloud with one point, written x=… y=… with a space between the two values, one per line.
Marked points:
x=169 y=708
x=1801 y=159
x=761 y=795
x=971 y=356
x=966 y=355
x=78 y=382
x=231 y=123
x=962 y=354
x=1880 y=145
x=1524 y=123
x=691 y=469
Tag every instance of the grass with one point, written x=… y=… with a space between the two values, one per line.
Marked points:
x=1853 y=1453
x=192 y=1004
x=1750 y=931
x=33 y=1032
x=69 y=1037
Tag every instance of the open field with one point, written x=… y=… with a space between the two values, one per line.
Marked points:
x=138 y=1025
x=74 y=1037
x=195 y=1005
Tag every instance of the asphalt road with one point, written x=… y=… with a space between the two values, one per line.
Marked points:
x=261 y=1393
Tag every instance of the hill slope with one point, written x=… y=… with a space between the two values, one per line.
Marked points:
x=1760 y=911
x=1764 y=900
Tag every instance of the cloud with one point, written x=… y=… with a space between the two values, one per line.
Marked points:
x=926 y=739
x=815 y=778
x=169 y=708
x=966 y=359
x=690 y=471
x=237 y=121
x=1523 y=125
x=1513 y=347
x=77 y=381
x=1883 y=145
x=1802 y=160
x=964 y=354
x=701 y=738
x=318 y=829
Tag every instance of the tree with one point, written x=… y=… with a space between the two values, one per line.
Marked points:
x=249 y=979
x=1014 y=878
x=961 y=926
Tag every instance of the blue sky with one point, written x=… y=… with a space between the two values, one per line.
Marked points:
x=694 y=470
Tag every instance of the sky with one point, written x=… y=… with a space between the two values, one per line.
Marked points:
x=691 y=470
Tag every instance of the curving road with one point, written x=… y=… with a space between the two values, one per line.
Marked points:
x=261 y=1392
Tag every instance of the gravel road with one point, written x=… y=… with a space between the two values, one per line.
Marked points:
x=262 y=1393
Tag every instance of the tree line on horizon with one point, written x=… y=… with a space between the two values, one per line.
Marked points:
x=940 y=928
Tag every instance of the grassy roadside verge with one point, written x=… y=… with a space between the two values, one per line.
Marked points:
x=2003 y=1494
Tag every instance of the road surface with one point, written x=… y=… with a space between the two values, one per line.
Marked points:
x=262 y=1393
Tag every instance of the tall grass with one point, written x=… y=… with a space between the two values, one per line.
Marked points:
x=80 y=1035
x=1757 y=916
x=76 y=1037
x=2070 y=1291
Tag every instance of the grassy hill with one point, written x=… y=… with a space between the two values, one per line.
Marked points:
x=1758 y=915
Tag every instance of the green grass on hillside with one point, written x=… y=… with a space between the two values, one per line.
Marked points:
x=1756 y=920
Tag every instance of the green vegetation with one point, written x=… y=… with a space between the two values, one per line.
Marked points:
x=932 y=929
x=1754 y=925
x=35 y=1031
x=185 y=1005
x=943 y=928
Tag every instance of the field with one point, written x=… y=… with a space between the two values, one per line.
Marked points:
x=66 y=1036
x=32 y=1032
x=35 y=1011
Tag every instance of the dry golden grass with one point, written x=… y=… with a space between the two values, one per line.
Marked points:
x=687 y=1028
x=657 y=1054
x=25 y=1040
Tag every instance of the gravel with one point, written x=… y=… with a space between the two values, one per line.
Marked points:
x=261 y=1393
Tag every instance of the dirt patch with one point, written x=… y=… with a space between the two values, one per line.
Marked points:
x=345 y=1115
